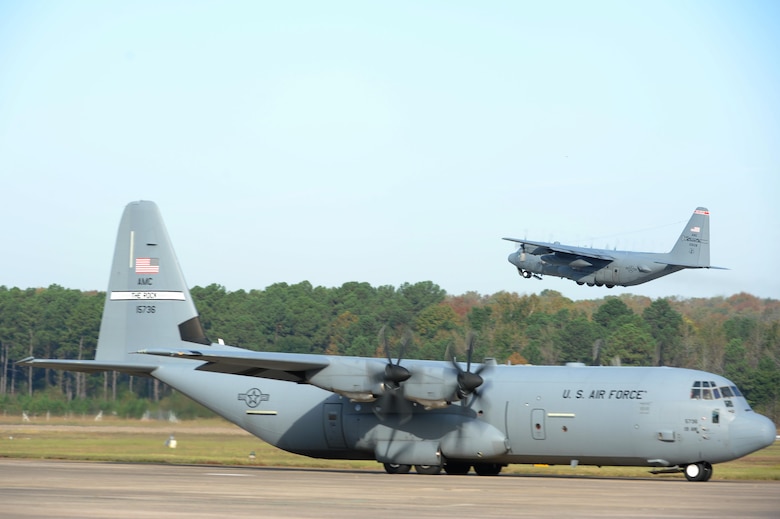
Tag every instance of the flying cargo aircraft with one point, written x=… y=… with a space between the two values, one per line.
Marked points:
x=431 y=415
x=601 y=267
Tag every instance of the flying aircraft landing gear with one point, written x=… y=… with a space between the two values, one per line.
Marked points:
x=525 y=273
x=701 y=471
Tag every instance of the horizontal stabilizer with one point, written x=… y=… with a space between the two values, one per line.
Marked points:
x=88 y=366
x=688 y=266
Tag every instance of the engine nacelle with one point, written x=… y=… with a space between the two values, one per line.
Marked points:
x=432 y=387
x=357 y=379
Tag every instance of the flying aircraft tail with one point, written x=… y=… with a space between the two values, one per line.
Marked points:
x=692 y=249
x=147 y=303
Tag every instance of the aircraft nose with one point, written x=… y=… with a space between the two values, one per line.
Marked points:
x=513 y=258
x=752 y=432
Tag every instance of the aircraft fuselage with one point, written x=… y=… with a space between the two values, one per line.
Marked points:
x=524 y=414
x=624 y=270
x=601 y=267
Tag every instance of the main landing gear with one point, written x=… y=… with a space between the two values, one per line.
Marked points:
x=701 y=471
x=452 y=468
x=396 y=468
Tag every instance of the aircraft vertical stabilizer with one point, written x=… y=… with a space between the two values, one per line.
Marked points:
x=148 y=303
x=693 y=247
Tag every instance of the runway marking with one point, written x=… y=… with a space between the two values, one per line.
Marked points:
x=228 y=474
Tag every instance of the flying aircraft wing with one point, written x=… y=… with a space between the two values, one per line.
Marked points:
x=279 y=366
x=557 y=248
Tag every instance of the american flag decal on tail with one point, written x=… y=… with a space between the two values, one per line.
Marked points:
x=147 y=265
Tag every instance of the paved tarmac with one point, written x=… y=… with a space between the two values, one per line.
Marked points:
x=47 y=489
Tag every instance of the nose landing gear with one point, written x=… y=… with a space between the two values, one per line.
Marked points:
x=527 y=274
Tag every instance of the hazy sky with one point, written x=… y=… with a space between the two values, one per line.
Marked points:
x=390 y=142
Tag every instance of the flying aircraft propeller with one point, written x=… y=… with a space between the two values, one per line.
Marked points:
x=468 y=381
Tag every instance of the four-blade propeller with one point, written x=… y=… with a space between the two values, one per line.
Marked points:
x=395 y=373
x=392 y=400
x=468 y=381
x=397 y=398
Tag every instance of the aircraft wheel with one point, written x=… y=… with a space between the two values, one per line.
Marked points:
x=431 y=470
x=397 y=468
x=580 y=283
x=526 y=274
x=610 y=286
x=457 y=469
x=707 y=471
x=701 y=471
x=487 y=469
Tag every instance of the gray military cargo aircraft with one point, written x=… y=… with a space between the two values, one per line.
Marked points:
x=601 y=267
x=432 y=415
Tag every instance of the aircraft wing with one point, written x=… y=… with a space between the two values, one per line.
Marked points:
x=279 y=366
x=542 y=247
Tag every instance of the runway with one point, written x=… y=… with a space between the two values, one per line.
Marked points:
x=46 y=489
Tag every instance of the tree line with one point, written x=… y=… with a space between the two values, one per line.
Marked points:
x=738 y=336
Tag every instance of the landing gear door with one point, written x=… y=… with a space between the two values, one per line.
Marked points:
x=537 y=424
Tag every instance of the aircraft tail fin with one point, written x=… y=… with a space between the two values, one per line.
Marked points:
x=148 y=304
x=692 y=248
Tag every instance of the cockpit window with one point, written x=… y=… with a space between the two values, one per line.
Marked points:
x=708 y=390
